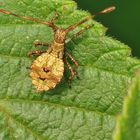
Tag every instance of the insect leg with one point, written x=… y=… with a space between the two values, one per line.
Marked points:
x=74 y=62
x=80 y=32
x=35 y=53
x=37 y=44
x=72 y=73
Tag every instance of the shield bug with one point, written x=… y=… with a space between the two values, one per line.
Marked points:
x=48 y=68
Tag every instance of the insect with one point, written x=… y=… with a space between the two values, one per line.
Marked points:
x=46 y=71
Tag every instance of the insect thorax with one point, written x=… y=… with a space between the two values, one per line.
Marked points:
x=57 y=47
x=60 y=36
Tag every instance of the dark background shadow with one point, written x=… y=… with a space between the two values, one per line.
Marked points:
x=123 y=24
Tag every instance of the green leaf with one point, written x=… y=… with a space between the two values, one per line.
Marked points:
x=128 y=125
x=87 y=111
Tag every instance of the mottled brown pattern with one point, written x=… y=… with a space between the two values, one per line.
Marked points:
x=46 y=72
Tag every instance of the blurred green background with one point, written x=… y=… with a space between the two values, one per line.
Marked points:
x=123 y=24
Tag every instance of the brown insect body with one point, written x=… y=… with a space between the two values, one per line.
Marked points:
x=47 y=69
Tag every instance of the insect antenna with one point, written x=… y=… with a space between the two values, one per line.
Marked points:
x=107 y=10
x=50 y=24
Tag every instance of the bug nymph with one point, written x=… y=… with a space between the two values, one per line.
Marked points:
x=47 y=69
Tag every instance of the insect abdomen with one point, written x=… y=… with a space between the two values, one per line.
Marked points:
x=46 y=72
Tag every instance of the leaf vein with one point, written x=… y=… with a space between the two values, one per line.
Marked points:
x=21 y=124
x=56 y=105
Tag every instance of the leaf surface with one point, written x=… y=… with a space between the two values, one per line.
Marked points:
x=128 y=124
x=87 y=111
